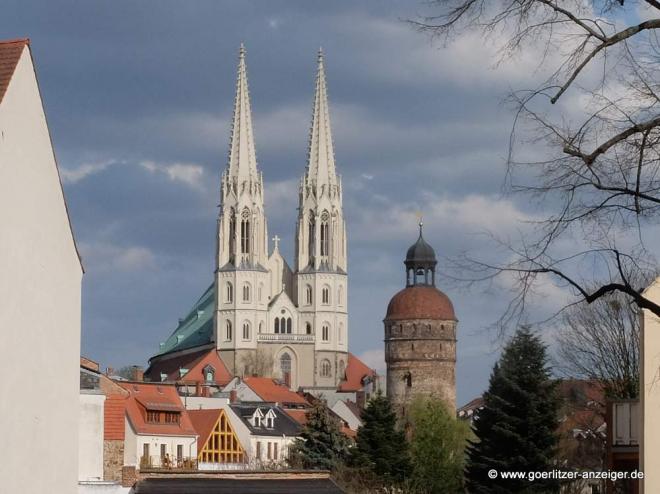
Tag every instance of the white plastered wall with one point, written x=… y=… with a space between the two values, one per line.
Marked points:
x=90 y=439
x=40 y=289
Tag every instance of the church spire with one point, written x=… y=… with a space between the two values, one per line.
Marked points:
x=242 y=156
x=321 y=158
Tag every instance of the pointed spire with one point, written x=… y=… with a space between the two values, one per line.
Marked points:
x=321 y=159
x=242 y=156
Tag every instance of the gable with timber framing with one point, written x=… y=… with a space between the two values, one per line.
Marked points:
x=222 y=444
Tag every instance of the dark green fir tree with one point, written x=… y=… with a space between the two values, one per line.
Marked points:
x=516 y=429
x=381 y=448
x=321 y=445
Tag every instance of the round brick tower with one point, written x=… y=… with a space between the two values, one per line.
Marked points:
x=420 y=335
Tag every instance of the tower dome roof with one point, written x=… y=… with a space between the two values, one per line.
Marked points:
x=420 y=302
x=420 y=251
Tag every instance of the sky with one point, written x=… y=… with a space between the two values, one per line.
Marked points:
x=139 y=95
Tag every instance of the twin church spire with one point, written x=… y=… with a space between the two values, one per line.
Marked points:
x=242 y=230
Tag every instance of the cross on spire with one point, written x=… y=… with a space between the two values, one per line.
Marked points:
x=276 y=240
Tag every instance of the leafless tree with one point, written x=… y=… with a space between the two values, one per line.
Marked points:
x=257 y=363
x=595 y=177
x=601 y=341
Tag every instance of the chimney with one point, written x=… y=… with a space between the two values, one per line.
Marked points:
x=109 y=371
x=137 y=373
x=232 y=396
x=198 y=389
x=206 y=392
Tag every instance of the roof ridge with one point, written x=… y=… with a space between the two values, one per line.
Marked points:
x=15 y=40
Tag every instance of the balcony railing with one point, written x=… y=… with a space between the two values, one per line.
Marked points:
x=290 y=337
x=625 y=423
x=167 y=462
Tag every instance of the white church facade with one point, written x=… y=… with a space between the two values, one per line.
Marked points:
x=261 y=315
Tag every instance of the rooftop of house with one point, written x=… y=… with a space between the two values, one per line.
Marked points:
x=190 y=368
x=356 y=374
x=255 y=483
x=159 y=398
x=269 y=389
x=281 y=425
x=10 y=53
x=203 y=422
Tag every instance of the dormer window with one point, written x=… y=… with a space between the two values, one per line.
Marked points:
x=270 y=419
x=209 y=374
x=257 y=418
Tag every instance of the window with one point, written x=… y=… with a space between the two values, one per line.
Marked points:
x=312 y=236
x=325 y=238
x=232 y=234
x=326 y=368
x=258 y=450
x=246 y=330
x=288 y=325
x=285 y=368
x=172 y=418
x=245 y=232
x=179 y=452
x=229 y=292
x=277 y=325
x=153 y=417
x=325 y=297
x=246 y=292
x=308 y=328
x=209 y=374
x=270 y=450
x=163 y=450
x=342 y=370
x=308 y=295
x=325 y=332
x=145 y=452
x=275 y=451
x=229 y=333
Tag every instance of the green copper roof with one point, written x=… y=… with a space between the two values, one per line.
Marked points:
x=196 y=329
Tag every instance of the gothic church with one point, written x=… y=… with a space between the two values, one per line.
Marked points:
x=261 y=315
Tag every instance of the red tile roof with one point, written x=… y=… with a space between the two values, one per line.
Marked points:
x=156 y=397
x=195 y=363
x=270 y=390
x=114 y=411
x=299 y=416
x=356 y=371
x=203 y=422
x=420 y=302
x=10 y=53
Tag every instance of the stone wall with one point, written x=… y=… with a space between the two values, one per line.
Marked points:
x=113 y=459
x=421 y=361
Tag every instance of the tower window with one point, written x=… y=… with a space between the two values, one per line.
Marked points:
x=288 y=325
x=246 y=330
x=325 y=296
x=308 y=295
x=229 y=332
x=277 y=325
x=229 y=292
x=245 y=232
x=312 y=235
x=308 y=328
x=246 y=292
x=232 y=233
x=325 y=332
x=326 y=368
x=325 y=240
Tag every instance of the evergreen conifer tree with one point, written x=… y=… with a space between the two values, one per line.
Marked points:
x=380 y=446
x=516 y=429
x=321 y=444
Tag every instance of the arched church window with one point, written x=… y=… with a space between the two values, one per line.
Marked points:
x=246 y=330
x=229 y=292
x=245 y=231
x=325 y=295
x=232 y=233
x=288 y=325
x=308 y=328
x=325 y=237
x=285 y=368
x=229 y=332
x=312 y=235
x=308 y=295
x=326 y=368
x=325 y=332
x=261 y=327
x=246 y=292
x=282 y=325
x=277 y=325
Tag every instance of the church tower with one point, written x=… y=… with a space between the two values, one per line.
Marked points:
x=241 y=277
x=420 y=335
x=321 y=266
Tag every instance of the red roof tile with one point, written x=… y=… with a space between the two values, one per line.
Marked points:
x=195 y=363
x=157 y=397
x=420 y=302
x=203 y=422
x=356 y=371
x=299 y=416
x=270 y=390
x=114 y=411
x=10 y=53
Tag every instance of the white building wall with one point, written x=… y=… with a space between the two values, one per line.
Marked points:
x=650 y=394
x=90 y=436
x=40 y=289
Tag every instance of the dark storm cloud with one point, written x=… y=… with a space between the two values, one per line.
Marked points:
x=139 y=95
